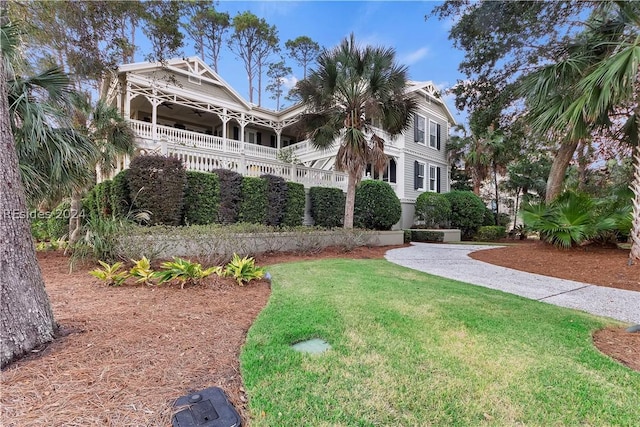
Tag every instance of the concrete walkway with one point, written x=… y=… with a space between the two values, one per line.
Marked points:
x=453 y=262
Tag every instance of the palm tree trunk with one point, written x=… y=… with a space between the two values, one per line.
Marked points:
x=350 y=200
x=495 y=183
x=559 y=169
x=75 y=217
x=26 y=319
x=634 y=255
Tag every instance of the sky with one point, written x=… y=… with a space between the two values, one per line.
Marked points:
x=422 y=45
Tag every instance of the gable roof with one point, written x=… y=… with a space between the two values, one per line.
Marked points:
x=431 y=91
x=191 y=66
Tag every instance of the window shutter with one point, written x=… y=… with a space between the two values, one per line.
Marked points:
x=415 y=128
x=438 y=174
x=438 y=139
x=416 y=165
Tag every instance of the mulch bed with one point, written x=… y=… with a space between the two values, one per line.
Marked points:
x=125 y=354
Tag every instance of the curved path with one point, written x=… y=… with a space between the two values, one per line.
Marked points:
x=452 y=261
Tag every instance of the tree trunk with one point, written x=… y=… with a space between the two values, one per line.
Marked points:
x=515 y=210
x=26 y=319
x=559 y=169
x=495 y=183
x=75 y=217
x=350 y=200
x=634 y=255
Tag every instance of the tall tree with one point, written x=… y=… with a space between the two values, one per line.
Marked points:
x=351 y=87
x=196 y=27
x=26 y=318
x=163 y=29
x=471 y=149
x=278 y=71
x=253 y=40
x=216 y=26
x=304 y=51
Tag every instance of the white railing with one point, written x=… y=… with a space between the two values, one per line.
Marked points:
x=197 y=159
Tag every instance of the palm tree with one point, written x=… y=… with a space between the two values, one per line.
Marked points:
x=351 y=88
x=471 y=150
x=604 y=88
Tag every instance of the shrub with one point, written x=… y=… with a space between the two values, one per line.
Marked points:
x=327 y=206
x=103 y=198
x=376 y=206
x=434 y=209
x=489 y=217
x=156 y=185
x=58 y=221
x=253 y=208
x=184 y=271
x=467 y=212
x=201 y=198
x=39 y=229
x=110 y=274
x=426 y=236
x=490 y=233
x=120 y=198
x=276 y=199
x=230 y=195
x=243 y=270
x=294 y=209
x=504 y=219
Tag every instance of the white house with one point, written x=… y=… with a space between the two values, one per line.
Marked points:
x=183 y=108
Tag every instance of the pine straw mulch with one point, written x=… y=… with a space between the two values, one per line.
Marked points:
x=127 y=353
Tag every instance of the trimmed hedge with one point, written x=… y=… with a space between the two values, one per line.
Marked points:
x=90 y=205
x=103 y=199
x=467 y=212
x=327 y=206
x=276 y=199
x=490 y=233
x=120 y=198
x=294 y=208
x=230 y=195
x=434 y=209
x=376 y=206
x=426 y=236
x=201 y=198
x=253 y=207
x=156 y=185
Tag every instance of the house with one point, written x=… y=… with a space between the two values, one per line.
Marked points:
x=183 y=108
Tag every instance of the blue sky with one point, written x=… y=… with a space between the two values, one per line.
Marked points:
x=421 y=45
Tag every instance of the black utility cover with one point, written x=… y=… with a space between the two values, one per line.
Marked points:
x=207 y=408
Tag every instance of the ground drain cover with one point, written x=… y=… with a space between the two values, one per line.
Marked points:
x=206 y=408
x=313 y=346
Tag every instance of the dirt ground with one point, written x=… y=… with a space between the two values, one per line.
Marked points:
x=125 y=354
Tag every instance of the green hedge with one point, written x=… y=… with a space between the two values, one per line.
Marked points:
x=120 y=198
x=490 y=233
x=156 y=185
x=376 y=206
x=294 y=209
x=201 y=198
x=103 y=199
x=327 y=206
x=253 y=207
x=276 y=199
x=426 y=236
x=467 y=212
x=434 y=209
x=58 y=221
x=230 y=195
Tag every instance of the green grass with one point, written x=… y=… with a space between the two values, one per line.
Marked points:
x=414 y=349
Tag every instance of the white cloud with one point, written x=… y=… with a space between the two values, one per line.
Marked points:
x=289 y=82
x=415 y=56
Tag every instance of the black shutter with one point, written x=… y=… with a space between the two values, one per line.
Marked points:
x=438 y=137
x=415 y=128
x=416 y=165
x=438 y=178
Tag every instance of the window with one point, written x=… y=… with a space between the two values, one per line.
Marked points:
x=196 y=80
x=434 y=178
x=388 y=173
x=418 y=175
x=419 y=129
x=434 y=135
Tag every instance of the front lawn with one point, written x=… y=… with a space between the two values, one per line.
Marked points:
x=414 y=349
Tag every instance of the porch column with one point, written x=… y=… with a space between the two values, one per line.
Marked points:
x=225 y=121
x=243 y=123
x=126 y=108
x=278 y=139
x=154 y=118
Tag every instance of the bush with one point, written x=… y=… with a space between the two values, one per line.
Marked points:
x=327 y=206
x=434 y=209
x=276 y=199
x=376 y=206
x=103 y=199
x=90 y=205
x=489 y=217
x=426 y=236
x=467 y=212
x=296 y=201
x=58 y=221
x=39 y=228
x=120 y=199
x=253 y=208
x=201 y=198
x=490 y=233
x=156 y=185
x=230 y=195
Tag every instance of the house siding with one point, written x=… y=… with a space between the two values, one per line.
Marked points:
x=183 y=82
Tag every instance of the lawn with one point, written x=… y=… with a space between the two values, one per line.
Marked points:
x=413 y=349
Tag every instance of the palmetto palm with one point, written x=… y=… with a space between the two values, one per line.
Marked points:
x=351 y=88
x=470 y=149
x=604 y=88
